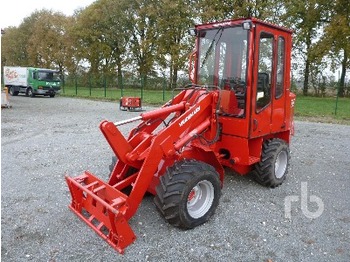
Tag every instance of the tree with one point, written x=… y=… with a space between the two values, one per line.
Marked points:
x=47 y=43
x=13 y=47
x=335 y=42
x=305 y=17
x=101 y=36
x=215 y=10
x=142 y=25
x=174 y=43
x=39 y=41
x=15 y=42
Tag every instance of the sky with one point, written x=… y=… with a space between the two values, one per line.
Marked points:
x=12 y=12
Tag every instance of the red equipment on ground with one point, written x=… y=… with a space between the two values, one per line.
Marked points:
x=130 y=103
x=237 y=113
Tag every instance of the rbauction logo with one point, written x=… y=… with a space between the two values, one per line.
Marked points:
x=184 y=121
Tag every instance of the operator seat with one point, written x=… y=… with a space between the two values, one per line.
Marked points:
x=229 y=103
x=263 y=91
x=263 y=82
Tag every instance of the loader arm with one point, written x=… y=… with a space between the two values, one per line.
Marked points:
x=161 y=136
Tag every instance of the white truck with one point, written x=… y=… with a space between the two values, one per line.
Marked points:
x=31 y=81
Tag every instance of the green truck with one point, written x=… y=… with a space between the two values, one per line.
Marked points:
x=31 y=81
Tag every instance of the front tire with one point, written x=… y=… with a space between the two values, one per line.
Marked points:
x=272 y=170
x=112 y=165
x=130 y=172
x=188 y=193
x=30 y=92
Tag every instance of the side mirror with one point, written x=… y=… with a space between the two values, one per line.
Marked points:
x=247 y=25
x=192 y=31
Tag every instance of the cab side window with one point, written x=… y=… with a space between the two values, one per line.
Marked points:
x=280 y=68
x=263 y=93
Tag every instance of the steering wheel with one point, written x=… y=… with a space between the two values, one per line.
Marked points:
x=235 y=84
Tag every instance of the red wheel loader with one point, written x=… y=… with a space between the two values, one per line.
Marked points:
x=238 y=113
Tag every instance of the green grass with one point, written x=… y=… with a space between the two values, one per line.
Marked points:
x=323 y=109
x=155 y=97
x=306 y=108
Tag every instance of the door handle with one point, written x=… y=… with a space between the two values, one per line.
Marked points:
x=255 y=124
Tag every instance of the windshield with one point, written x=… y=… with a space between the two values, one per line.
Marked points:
x=49 y=76
x=223 y=62
x=222 y=55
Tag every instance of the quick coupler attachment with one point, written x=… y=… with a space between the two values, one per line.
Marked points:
x=102 y=207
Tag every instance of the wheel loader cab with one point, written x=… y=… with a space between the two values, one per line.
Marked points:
x=249 y=60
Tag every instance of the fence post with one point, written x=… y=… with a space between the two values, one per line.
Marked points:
x=336 y=100
x=63 y=85
x=142 y=85
x=76 y=85
x=104 y=85
x=164 y=84
x=120 y=84
x=90 y=84
x=122 y=87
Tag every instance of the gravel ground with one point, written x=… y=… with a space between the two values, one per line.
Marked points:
x=44 y=138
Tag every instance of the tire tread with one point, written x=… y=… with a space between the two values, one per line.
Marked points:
x=264 y=170
x=169 y=192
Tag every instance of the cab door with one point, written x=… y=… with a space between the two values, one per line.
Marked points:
x=278 y=118
x=263 y=82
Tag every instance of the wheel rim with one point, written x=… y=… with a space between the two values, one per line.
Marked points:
x=281 y=164
x=200 y=199
x=30 y=92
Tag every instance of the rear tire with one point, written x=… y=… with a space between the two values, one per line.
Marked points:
x=188 y=193
x=53 y=95
x=272 y=170
x=13 y=92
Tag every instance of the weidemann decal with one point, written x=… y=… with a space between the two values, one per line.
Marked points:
x=184 y=121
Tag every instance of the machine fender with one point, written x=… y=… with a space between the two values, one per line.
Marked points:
x=206 y=155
